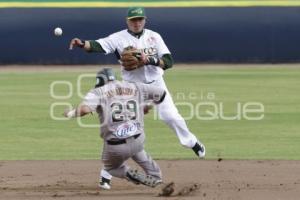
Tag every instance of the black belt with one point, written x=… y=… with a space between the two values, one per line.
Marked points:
x=117 y=142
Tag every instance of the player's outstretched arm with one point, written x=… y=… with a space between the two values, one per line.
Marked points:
x=76 y=42
x=87 y=45
x=80 y=111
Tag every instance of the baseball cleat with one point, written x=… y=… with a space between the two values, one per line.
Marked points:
x=199 y=150
x=140 y=178
x=104 y=184
x=131 y=176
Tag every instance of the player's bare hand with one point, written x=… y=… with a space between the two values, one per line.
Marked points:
x=66 y=112
x=76 y=42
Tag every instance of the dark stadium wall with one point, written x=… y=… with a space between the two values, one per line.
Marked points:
x=220 y=34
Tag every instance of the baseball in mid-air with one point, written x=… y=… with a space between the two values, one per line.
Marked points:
x=58 y=31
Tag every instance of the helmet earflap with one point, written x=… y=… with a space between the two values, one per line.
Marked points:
x=103 y=76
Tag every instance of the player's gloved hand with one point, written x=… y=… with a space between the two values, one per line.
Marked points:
x=76 y=42
x=132 y=58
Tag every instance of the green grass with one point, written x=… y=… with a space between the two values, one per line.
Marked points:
x=28 y=132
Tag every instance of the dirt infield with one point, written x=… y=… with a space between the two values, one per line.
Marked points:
x=205 y=179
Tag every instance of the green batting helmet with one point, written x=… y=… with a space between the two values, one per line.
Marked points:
x=104 y=75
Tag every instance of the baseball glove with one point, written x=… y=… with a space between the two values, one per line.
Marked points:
x=132 y=58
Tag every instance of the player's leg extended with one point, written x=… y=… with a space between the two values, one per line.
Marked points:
x=153 y=176
x=147 y=164
x=143 y=159
x=168 y=112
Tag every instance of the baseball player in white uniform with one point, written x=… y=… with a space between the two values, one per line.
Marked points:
x=156 y=58
x=120 y=106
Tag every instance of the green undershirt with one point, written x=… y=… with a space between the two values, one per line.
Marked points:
x=95 y=47
x=168 y=61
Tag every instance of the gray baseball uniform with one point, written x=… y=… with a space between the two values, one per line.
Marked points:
x=120 y=108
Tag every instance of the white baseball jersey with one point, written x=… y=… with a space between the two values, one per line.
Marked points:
x=120 y=107
x=152 y=44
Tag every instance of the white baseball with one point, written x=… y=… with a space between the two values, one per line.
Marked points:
x=58 y=31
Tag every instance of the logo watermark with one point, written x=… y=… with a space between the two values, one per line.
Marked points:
x=201 y=105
